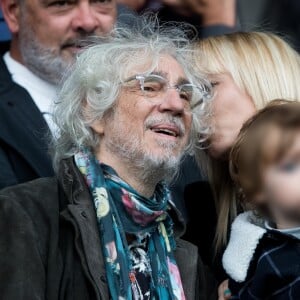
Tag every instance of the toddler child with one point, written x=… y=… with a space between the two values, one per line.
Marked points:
x=262 y=258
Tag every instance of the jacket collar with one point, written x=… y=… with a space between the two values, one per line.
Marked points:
x=73 y=183
x=4 y=47
x=5 y=77
x=178 y=219
x=246 y=232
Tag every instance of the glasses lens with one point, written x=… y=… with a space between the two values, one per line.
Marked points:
x=186 y=92
x=153 y=85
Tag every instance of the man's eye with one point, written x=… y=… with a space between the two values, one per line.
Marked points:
x=152 y=86
x=185 y=96
x=60 y=3
x=102 y=1
x=186 y=92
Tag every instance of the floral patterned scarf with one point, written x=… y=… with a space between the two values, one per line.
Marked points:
x=138 y=215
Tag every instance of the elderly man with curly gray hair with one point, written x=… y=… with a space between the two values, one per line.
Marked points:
x=106 y=227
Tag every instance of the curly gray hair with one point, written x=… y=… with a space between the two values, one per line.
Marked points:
x=92 y=85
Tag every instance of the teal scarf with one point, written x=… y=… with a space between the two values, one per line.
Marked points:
x=121 y=210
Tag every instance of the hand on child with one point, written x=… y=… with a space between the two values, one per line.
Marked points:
x=223 y=291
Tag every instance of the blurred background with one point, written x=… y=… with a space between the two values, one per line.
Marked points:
x=279 y=16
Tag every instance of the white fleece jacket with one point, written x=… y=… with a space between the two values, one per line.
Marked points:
x=246 y=232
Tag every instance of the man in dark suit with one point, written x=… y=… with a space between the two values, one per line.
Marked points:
x=45 y=37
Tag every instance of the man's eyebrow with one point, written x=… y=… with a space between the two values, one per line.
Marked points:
x=160 y=73
x=180 y=80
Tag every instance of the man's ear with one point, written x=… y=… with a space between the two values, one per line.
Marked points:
x=98 y=126
x=11 y=13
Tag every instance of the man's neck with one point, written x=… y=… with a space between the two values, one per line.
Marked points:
x=131 y=175
x=15 y=53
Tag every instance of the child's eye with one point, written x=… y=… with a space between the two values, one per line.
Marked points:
x=289 y=166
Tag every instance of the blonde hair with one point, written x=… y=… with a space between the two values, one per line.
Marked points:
x=266 y=67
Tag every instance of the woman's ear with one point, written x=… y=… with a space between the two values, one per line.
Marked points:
x=11 y=13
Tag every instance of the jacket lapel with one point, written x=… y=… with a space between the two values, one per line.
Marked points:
x=22 y=125
x=82 y=210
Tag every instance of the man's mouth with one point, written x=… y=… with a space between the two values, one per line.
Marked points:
x=73 y=45
x=168 y=130
x=76 y=45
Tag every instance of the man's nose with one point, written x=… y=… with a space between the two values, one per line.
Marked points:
x=172 y=102
x=85 y=19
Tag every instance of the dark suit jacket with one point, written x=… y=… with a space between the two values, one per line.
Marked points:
x=23 y=134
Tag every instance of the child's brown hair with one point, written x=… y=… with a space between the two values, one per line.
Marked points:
x=263 y=140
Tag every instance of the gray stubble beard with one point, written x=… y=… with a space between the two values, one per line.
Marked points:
x=45 y=63
x=148 y=167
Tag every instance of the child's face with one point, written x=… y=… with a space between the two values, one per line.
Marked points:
x=281 y=188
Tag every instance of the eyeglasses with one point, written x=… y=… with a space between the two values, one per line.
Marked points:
x=154 y=86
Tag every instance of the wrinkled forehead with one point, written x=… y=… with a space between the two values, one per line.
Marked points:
x=163 y=65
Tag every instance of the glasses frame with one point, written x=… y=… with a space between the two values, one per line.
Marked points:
x=204 y=91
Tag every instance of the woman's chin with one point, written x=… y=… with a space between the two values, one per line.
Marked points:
x=219 y=151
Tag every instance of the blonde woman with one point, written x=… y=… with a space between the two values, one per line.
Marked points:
x=247 y=71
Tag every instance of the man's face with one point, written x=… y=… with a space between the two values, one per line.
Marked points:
x=148 y=133
x=50 y=32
